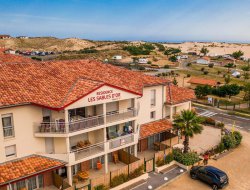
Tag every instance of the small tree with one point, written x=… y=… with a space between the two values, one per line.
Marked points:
x=149 y=62
x=189 y=124
x=246 y=89
x=229 y=65
x=204 y=50
x=237 y=54
x=246 y=69
x=175 y=82
x=202 y=91
x=173 y=58
x=227 y=79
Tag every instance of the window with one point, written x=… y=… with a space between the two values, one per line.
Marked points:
x=32 y=183
x=10 y=151
x=76 y=168
x=152 y=99
x=152 y=115
x=7 y=123
x=40 y=181
x=20 y=185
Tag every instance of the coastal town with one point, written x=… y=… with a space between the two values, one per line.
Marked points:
x=114 y=107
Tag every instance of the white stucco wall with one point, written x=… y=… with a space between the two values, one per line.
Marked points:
x=24 y=118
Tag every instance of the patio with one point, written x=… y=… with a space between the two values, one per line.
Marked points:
x=147 y=154
x=94 y=173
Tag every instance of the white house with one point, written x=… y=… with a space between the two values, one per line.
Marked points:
x=143 y=60
x=117 y=57
x=235 y=73
x=203 y=60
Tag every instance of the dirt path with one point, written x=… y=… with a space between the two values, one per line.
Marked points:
x=235 y=164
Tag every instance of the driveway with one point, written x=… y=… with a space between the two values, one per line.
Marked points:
x=236 y=165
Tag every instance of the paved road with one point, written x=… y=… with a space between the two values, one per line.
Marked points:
x=157 y=179
x=240 y=122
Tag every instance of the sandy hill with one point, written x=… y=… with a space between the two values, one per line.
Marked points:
x=46 y=43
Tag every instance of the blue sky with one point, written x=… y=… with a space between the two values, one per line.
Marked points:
x=153 y=20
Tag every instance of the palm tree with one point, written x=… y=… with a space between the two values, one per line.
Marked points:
x=188 y=123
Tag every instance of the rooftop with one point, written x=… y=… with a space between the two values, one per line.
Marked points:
x=56 y=84
x=203 y=81
x=176 y=95
x=26 y=167
x=154 y=127
x=10 y=58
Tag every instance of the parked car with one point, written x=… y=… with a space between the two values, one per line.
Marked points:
x=210 y=175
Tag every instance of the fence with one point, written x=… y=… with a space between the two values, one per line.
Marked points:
x=161 y=154
x=106 y=178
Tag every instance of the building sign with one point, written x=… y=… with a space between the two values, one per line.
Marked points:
x=105 y=95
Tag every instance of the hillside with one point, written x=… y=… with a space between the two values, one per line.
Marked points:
x=46 y=44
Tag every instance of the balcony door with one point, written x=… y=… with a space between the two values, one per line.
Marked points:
x=49 y=145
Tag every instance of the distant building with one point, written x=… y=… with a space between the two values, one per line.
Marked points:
x=22 y=37
x=5 y=36
x=182 y=57
x=203 y=60
x=117 y=57
x=235 y=73
x=10 y=51
x=142 y=60
x=194 y=82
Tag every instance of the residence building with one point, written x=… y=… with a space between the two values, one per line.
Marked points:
x=195 y=81
x=203 y=60
x=143 y=60
x=4 y=36
x=65 y=117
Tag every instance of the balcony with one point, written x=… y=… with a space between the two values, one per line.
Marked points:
x=121 y=115
x=81 y=153
x=61 y=127
x=120 y=141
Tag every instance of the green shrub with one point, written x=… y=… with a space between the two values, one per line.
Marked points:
x=210 y=65
x=100 y=187
x=118 y=180
x=220 y=148
x=202 y=69
x=238 y=137
x=205 y=72
x=169 y=158
x=188 y=75
x=166 y=66
x=229 y=141
x=189 y=64
x=220 y=125
x=186 y=159
x=137 y=172
x=159 y=162
x=208 y=121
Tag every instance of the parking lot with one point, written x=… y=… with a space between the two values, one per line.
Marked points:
x=236 y=164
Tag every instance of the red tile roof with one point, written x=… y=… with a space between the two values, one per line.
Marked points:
x=177 y=94
x=203 y=81
x=9 y=58
x=206 y=58
x=55 y=84
x=25 y=167
x=154 y=127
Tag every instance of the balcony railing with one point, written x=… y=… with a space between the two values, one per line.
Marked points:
x=86 y=123
x=62 y=127
x=120 y=141
x=8 y=132
x=121 y=115
x=81 y=153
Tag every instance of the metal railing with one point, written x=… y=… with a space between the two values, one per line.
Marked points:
x=62 y=127
x=52 y=127
x=8 y=132
x=121 y=115
x=84 y=152
x=86 y=123
x=120 y=141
